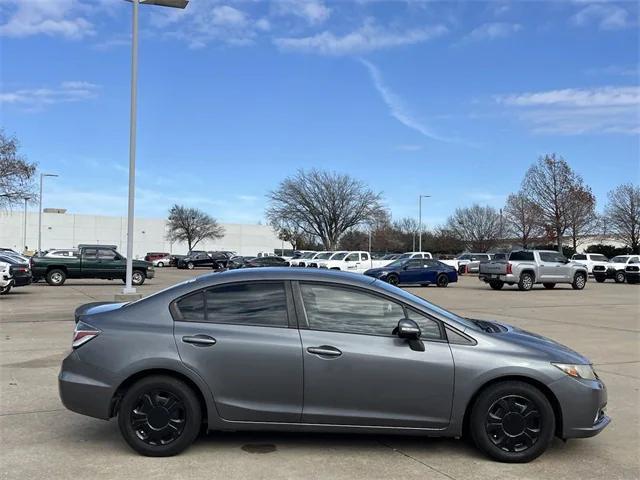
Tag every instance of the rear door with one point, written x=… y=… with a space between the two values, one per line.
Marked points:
x=110 y=263
x=357 y=372
x=554 y=267
x=413 y=271
x=241 y=338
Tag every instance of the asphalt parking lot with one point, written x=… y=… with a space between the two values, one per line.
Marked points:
x=43 y=440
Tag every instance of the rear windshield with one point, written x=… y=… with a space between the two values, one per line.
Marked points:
x=579 y=257
x=619 y=259
x=521 y=256
x=599 y=258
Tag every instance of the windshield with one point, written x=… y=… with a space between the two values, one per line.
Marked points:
x=599 y=258
x=405 y=255
x=308 y=255
x=324 y=256
x=338 y=256
x=619 y=259
x=430 y=306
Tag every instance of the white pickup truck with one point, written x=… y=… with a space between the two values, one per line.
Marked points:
x=590 y=260
x=357 y=262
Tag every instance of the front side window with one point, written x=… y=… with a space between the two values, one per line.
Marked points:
x=106 y=254
x=90 y=253
x=262 y=304
x=352 y=258
x=414 y=264
x=339 y=309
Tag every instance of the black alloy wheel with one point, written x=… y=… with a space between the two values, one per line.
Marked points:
x=393 y=279
x=442 y=280
x=513 y=423
x=158 y=417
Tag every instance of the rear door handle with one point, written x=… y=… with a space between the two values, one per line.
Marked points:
x=199 y=340
x=325 y=351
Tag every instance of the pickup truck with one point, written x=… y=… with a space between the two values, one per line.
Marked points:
x=95 y=261
x=526 y=268
x=615 y=268
x=358 y=262
x=590 y=260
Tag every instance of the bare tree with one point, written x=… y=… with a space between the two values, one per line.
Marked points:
x=477 y=227
x=16 y=173
x=522 y=217
x=623 y=214
x=549 y=183
x=323 y=204
x=192 y=226
x=581 y=214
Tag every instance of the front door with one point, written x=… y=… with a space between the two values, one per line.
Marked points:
x=352 y=262
x=237 y=338
x=357 y=372
x=554 y=267
x=412 y=271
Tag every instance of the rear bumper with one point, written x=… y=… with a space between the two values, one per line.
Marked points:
x=151 y=273
x=21 y=281
x=81 y=392
x=487 y=277
x=583 y=405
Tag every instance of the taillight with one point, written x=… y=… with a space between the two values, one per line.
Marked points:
x=509 y=269
x=83 y=333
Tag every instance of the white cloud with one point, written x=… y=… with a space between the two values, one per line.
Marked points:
x=38 y=98
x=313 y=11
x=575 y=111
x=616 y=70
x=228 y=17
x=605 y=16
x=46 y=17
x=493 y=30
x=397 y=107
x=367 y=38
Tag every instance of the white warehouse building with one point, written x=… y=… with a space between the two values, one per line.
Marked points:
x=64 y=230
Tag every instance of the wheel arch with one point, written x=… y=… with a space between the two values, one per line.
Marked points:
x=546 y=391
x=57 y=267
x=531 y=272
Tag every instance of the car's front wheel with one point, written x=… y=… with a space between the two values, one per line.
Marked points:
x=512 y=422
x=4 y=290
x=190 y=265
x=138 y=277
x=159 y=416
x=160 y=264
x=620 y=277
x=579 y=281
x=393 y=279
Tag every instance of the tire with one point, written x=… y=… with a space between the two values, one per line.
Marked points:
x=160 y=264
x=549 y=286
x=442 y=281
x=496 y=284
x=56 y=277
x=521 y=438
x=579 y=281
x=462 y=269
x=138 y=277
x=632 y=280
x=526 y=282
x=190 y=266
x=599 y=279
x=393 y=279
x=620 y=277
x=175 y=428
x=5 y=290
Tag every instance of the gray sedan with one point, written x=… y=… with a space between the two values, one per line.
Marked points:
x=320 y=351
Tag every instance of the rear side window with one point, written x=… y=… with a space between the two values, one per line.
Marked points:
x=192 y=307
x=526 y=256
x=579 y=257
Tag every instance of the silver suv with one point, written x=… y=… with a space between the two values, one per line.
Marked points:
x=526 y=268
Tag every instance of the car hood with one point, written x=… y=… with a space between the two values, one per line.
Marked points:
x=554 y=351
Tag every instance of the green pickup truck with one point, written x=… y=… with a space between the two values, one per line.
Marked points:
x=92 y=261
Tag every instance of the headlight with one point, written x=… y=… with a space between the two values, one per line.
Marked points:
x=585 y=372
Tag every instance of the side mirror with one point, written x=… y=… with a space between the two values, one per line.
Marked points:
x=408 y=329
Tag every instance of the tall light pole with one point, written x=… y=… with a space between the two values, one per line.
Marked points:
x=24 y=231
x=420 y=197
x=128 y=288
x=42 y=175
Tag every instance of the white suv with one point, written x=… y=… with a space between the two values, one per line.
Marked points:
x=589 y=260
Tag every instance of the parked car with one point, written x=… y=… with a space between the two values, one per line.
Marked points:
x=151 y=256
x=632 y=273
x=526 y=268
x=324 y=257
x=415 y=271
x=61 y=253
x=590 y=260
x=162 y=262
x=415 y=255
x=468 y=262
x=174 y=259
x=6 y=279
x=93 y=261
x=215 y=260
x=303 y=260
x=314 y=350
x=19 y=271
x=615 y=268
x=357 y=262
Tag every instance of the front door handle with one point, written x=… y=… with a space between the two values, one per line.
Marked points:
x=199 y=340
x=325 y=351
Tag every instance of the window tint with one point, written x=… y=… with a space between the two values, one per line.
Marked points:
x=482 y=257
x=365 y=256
x=457 y=338
x=551 y=257
x=262 y=304
x=192 y=307
x=90 y=253
x=106 y=254
x=527 y=256
x=579 y=257
x=429 y=328
x=413 y=264
x=338 y=309
x=352 y=258
x=599 y=258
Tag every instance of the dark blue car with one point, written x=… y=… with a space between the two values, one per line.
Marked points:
x=421 y=271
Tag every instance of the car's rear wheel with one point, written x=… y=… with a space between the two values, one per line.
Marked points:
x=5 y=290
x=190 y=265
x=549 y=286
x=526 y=282
x=496 y=284
x=160 y=264
x=512 y=422
x=159 y=416
x=442 y=280
x=393 y=279
x=56 y=277
x=620 y=277
x=579 y=281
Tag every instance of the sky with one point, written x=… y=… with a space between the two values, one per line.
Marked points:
x=449 y=99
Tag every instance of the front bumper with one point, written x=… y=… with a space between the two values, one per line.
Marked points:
x=21 y=281
x=583 y=406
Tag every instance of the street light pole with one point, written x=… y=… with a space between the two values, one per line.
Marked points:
x=420 y=197
x=128 y=288
x=24 y=231
x=42 y=175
